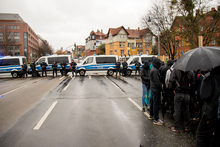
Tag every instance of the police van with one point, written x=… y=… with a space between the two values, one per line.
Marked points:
x=98 y=63
x=133 y=59
x=12 y=65
x=54 y=58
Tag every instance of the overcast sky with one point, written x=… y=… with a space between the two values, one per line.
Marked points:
x=63 y=22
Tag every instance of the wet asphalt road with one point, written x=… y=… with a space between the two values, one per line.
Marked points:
x=91 y=111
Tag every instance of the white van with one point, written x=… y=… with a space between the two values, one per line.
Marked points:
x=12 y=65
x=133 y=59
x=54 y=58
x=98 y=63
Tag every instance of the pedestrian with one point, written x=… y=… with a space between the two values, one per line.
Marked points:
x=44 y=66
x=137 y=69
x=54 y=66
x=63 y=68
x=24 y=70
x=209 y=123
x=125 y=66
x=156 y=88
x=166 y=92
x=118 y=66
x=145 y=77
x=73 y=65
x=181 y=82
x=33 y=69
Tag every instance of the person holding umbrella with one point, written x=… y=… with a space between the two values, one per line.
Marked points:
x=209 y=123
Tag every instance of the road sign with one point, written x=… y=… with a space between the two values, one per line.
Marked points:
x=115 y=50
x=133 y=51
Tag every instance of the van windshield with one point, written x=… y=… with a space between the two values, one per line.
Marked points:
x=134 y=60
x=88 y=60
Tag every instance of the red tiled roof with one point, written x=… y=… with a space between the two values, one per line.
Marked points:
x=114 y=31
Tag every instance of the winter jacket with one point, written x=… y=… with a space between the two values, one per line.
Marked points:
x=137 y=65
x=73 y=64
x=63 y=65
x=24 y=67
x=181 y=81
x=118 y=64
x=210 y=91
x=43 y=65
x=33 y=66
x=145 y=74
x=125 y=65
x=155 y=83
x=164 y=71
x=54 y=66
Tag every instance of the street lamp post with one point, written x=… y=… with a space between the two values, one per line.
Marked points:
x=149 y=20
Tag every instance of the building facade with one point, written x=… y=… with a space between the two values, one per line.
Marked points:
x=17 y=37
x=122 y=42
x=93 y=42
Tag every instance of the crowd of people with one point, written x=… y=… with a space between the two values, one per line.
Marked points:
x=174 y=89
x=44 y=65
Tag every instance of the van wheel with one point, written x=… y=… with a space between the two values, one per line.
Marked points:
x=82 y=72
x=129 y=72
x=110 y=72
x=14 y=74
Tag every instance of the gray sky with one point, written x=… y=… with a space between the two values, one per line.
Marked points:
x=63 y=22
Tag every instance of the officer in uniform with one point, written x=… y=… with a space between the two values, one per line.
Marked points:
x=54 y=66
x=44 y=66
x=137 y=65
x=125 y=66
x=118 y=64
x=33 y=69
x=63 y=68
x=73 y=65
x=24 y=69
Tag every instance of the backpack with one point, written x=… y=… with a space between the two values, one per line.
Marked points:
x=167 y=79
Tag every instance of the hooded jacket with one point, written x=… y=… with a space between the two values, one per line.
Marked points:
x=210 y=91
x=164 y=71
x=145 y=74
x=155 y=83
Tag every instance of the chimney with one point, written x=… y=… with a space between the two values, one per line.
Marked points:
x=128 y=28
x=101 y=30
x=138 y=29
x=97 y=30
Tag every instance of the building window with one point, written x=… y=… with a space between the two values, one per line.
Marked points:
x=149 y=38
x=128 y=44
x=11 y=27
x=141 y=51
x=14 y=27
x=93 y=37
x=213 y=40
x=100 y=37
x=213 y=28
x=145 y=45
x=141 y=45
x=1 y=36
x=148 y=45
x=120 y=44
x=111 y=53
x=18 y=27
x=1 y=27
x=122 y=52
x=137 y=45
x=123 y=44
x=8 y=27
x=17 y=36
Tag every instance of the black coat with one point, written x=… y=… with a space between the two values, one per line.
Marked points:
x=210 y=91
x=145 y=76
x=63 y=65
x=54 y=66
x=73 y=64
x=137 y=65
x=43 y=65
x=118 y=64
x=155 y=83
x=33 y=66
x=24 y=67
x=125 y=65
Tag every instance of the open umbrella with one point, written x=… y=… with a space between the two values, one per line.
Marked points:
x=199 y=58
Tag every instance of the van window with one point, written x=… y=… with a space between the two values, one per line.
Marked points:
x=8 y=62
x=149 y=59
x=40 y=61
x=88 y=61
x=134 y=60
x=104 y=60
x=24 y=60
x=51 y=60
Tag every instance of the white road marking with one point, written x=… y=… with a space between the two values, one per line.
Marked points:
x=90 y=77
x=112 y=83
x=39 y=124
x=139 y=107
x=73 y=78
x=62 y=77
x=66 y=87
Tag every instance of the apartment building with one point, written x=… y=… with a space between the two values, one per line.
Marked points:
x=120 y=41
x=93 y=41
x=17 y=37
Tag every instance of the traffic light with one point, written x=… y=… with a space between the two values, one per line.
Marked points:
x=74 y=44
x=94 y=42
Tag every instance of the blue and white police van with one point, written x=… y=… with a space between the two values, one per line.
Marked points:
x=12 y=64
x=141 y=58
x=98 y=63
x=54 y=58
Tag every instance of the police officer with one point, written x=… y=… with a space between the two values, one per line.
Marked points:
x=137 y=65
x=54 y=66
x=24 y=69
x=33 y=69
x=73 y=65
x=44 y=66
x=125 y=66
x=63 y=68
x=118 y=64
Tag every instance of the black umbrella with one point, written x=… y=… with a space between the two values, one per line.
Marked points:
x=199 y=58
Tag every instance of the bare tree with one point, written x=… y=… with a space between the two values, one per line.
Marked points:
x=45 y=48
x=6 y=41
